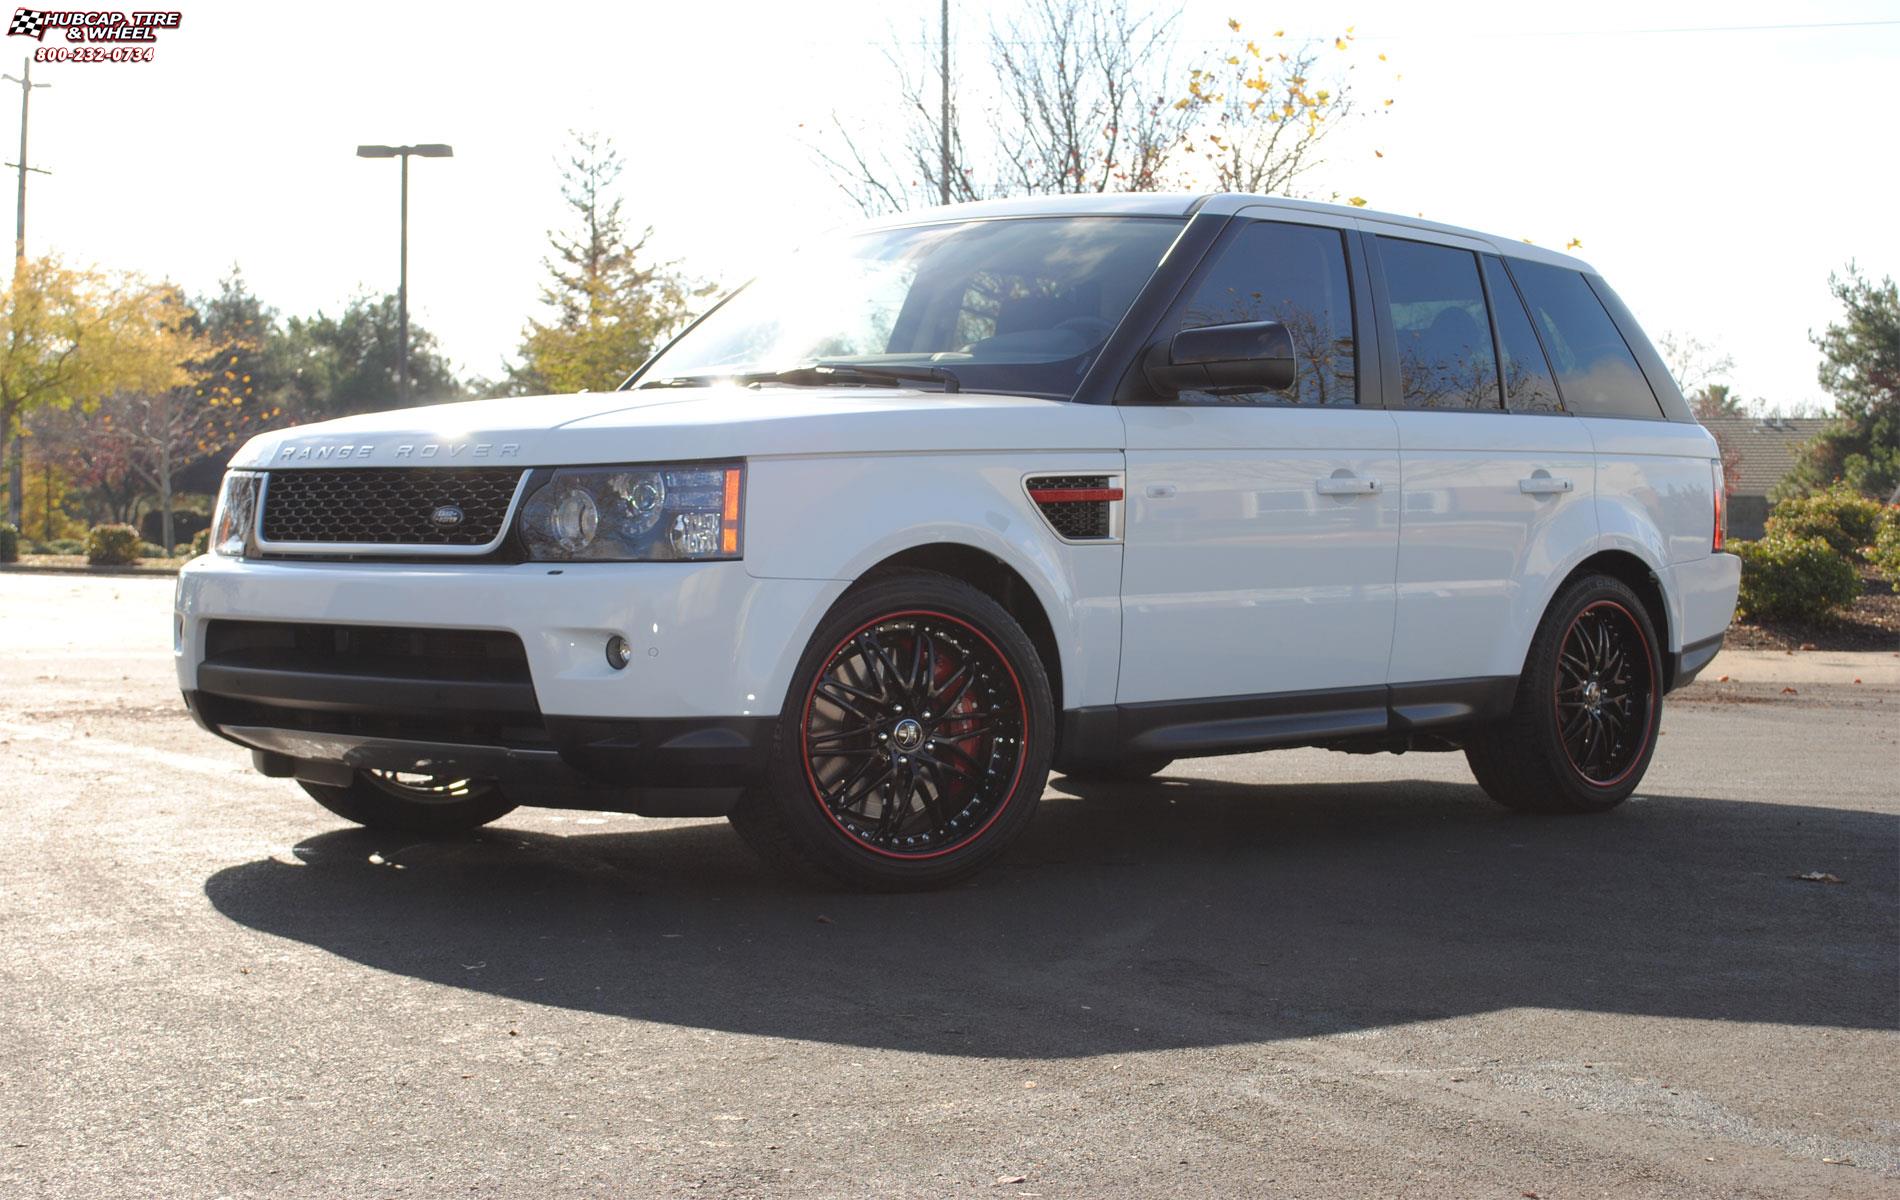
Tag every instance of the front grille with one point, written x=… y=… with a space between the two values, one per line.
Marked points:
x=388 y=506
x=1075 y=520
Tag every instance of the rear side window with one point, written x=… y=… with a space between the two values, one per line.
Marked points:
x=1446 y=359
x=1528 y=386
x=1599 y=375
x=1296 y=275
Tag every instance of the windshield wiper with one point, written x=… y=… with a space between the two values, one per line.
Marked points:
x=818 y=373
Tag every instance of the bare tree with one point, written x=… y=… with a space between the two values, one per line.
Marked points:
x=1085 y=96
x=1697 y=366
x=1087 y=104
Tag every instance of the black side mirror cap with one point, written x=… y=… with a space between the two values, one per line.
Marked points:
x=1250 y=356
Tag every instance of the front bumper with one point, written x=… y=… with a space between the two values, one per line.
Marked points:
x=713 y=652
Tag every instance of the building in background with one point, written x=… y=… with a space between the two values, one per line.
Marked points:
x=1761 y=451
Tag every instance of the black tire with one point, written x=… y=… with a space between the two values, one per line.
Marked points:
x=1583 y=726
x=859 y=726
x=427 y=806
x=1127 y=770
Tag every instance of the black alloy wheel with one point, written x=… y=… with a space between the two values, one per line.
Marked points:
x=915 y=744
x=1605 y=685
x=1582 y=729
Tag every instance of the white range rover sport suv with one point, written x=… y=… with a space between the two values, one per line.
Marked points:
x=1089 y=484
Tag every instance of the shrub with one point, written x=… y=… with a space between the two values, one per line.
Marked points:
x=113 y=545
x=1885 y=555
x=9 y=543
x=1839 y=516
x=65 y=546
x=153 y=550
x=200 y=543
x=1798 y=578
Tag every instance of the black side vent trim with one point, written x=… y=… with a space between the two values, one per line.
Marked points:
x=1080 y=508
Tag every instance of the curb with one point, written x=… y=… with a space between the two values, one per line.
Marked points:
x=121 y=572
x=1877 y=668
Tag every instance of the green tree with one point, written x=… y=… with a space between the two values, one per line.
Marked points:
x=334 y=366
x=608 y=309
x=1718 y=400
x=1860 y=368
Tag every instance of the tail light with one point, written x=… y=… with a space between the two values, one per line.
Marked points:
x=1721 y=508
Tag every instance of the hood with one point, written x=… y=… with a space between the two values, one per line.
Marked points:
x=672 y=425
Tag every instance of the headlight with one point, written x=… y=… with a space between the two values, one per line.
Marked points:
x=637 y=514
x=236 y=514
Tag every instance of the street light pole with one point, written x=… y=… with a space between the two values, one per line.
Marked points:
x=426 y=150
x=402 y=298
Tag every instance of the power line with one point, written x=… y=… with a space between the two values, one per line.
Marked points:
x=1487 y=34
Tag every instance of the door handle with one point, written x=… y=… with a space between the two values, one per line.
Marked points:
x=1545 y=485
x=1346 y=485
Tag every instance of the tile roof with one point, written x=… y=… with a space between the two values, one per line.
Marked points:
x=1766 y=446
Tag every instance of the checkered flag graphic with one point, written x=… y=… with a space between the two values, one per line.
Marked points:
x=28 y=23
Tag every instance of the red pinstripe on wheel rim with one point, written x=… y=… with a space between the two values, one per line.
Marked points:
x=1604 y=703
x=913 y=734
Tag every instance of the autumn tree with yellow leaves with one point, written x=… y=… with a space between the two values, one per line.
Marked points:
x=70 y=338
x=1262 y=112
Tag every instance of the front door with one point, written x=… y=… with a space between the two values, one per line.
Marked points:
x=1262 y=527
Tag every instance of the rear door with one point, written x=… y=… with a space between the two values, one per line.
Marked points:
x=1262 y=527
x=1498 y=478
x=1655 y=480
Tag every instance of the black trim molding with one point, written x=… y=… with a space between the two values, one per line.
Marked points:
x=1424 y=715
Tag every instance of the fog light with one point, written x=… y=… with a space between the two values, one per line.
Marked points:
x=619 y=652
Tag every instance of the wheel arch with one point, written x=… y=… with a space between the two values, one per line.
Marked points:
x=993 y=577
x=1645 y=580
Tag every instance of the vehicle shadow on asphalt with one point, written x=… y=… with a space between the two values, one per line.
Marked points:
x=1177 y=913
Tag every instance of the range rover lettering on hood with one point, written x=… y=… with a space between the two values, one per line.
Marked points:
x=411 y=450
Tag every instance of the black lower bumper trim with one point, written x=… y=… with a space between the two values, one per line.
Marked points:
x=1692 y=658
x=652 y=763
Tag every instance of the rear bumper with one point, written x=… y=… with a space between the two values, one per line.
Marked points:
x=1701 y=596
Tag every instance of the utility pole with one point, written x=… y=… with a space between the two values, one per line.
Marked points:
x=16 y=468
x=943 y=131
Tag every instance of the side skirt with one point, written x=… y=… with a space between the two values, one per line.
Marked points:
x=1388 y=717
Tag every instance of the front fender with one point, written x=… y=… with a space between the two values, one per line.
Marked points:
x=836 y=518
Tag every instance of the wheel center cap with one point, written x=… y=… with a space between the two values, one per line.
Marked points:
x=907 y=735
x=1593 y=694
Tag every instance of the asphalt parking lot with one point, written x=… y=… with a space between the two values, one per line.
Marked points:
x=1302 y=974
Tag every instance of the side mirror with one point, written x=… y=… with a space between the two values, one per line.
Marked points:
x=1251 y=356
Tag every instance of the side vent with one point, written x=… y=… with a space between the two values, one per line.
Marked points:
x=1080 y=508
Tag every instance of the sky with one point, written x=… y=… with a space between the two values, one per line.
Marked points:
x=1715 y=160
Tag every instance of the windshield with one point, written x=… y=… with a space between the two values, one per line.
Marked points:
x=1020 y=305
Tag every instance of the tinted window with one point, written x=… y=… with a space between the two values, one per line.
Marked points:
x=1599 y=375
x=1009 y=305
x=1446 y=359
x=1296 y=275
x=1528 y=386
